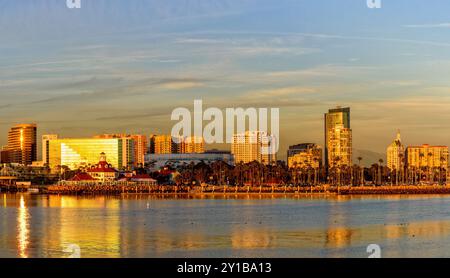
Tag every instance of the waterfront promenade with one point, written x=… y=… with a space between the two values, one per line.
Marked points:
x=220 y=190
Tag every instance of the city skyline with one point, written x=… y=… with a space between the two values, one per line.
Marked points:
x=127 y=76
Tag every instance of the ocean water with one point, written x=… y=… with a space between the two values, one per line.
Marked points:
x=141 y=226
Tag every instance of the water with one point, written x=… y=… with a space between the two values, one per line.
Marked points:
x=147 y=226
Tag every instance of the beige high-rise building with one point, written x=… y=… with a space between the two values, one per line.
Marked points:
x=22 y=144
x=338 y=121
x=45 y=147
x=191 y=144
x=163 y=144
x=253 y=146
x=427 y=156
x=395 y=154
x=339 y=146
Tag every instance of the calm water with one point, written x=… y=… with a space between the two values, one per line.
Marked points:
x=145 y=226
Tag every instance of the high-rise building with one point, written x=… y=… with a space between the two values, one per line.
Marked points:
x=339 y=146
x=22 y=144
x=163 y=144
x=253 y=146
x=83 y=152
x=45 y=150
x=191 y=144
x=304 y=155
x=140 y=148
x=427 y=156
x=338 y=136
x=395 y=154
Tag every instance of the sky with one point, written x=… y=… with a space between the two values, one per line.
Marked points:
x=120 y=66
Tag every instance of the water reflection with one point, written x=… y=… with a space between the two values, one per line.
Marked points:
x=148 y=226
x=23 y=228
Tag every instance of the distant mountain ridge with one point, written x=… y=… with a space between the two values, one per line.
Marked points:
x=368 y=157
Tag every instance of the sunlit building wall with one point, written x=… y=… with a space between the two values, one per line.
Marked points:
x=304 y=155
x=338 y=117
x=339 y=146
x=191 y=144
x=140 y=147
x=163 y=144
x=253 y=146
x=45 y=147
x=76 y=153
x=427 y=156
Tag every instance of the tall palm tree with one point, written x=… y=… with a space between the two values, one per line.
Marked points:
x=380 y=171
x=361 y=169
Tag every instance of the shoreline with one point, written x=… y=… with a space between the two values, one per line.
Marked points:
x=232 y=191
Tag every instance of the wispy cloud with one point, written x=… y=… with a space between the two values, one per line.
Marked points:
x=434 y=25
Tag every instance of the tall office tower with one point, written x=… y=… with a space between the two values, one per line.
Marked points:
x=340 y=146
x=45 y=150
x=22 y=144
x=338 y=117
x=304 y=155
x=253 y=146
x=191 y=144
x=163 y=144
x=140 y=146
x=427 y=156
x=395 y=153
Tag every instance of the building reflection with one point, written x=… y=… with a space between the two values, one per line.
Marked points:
x=22 y=228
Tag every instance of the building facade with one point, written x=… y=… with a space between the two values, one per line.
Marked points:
x=253 y=146
x=84 y=152
x=395 y=154
x=162 y=144
x=191 y=144
x=303 y=155
x=337 y=121
x=22 y=144
x=427 y=156
x=45 y=147
x=140 y=146
x=339 y=150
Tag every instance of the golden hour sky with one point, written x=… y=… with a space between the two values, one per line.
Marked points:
x=123 y=66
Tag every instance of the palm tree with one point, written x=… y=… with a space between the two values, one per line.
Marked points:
x=380 y=171
x=361 y=169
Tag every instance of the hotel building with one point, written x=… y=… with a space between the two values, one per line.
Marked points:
x=395 y=153
x=427 y=156
x=338 y=137
x=22 y=144
x=253 y=146
x=83 y=152
x=303 y=155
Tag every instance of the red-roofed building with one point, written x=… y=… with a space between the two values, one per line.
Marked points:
x=82 y=177
x=103 y=171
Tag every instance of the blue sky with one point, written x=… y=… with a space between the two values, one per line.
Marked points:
x=123 y=66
